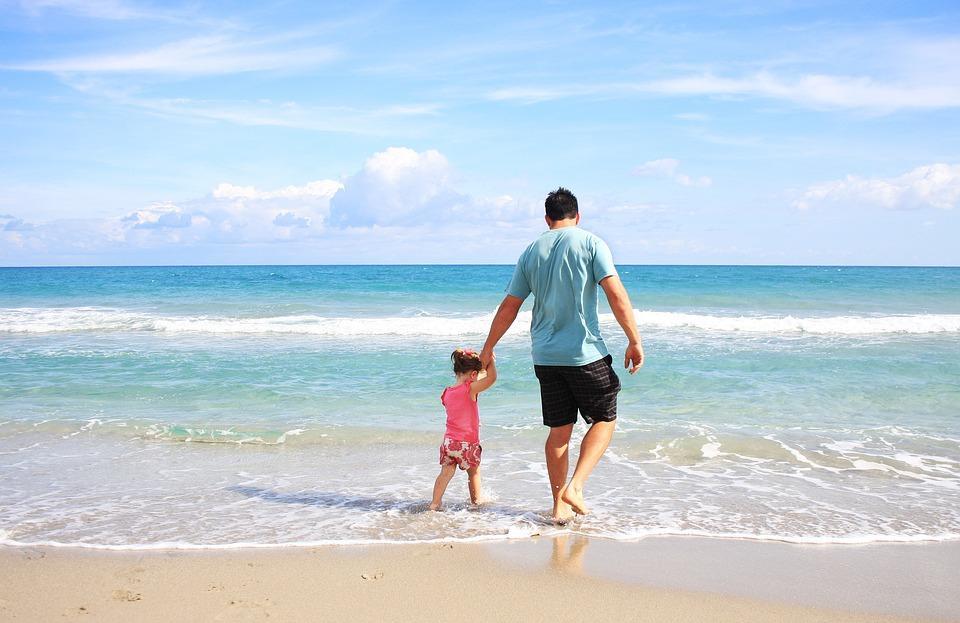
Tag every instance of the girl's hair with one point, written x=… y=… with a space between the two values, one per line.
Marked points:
x=465 y=361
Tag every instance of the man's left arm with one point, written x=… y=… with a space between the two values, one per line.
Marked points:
x=623 y=311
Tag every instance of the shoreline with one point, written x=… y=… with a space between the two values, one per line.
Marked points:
x=655 y=579
x=491 y=539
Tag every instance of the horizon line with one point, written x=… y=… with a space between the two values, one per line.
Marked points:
x=376 y=264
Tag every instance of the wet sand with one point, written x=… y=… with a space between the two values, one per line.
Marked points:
x=563 y=579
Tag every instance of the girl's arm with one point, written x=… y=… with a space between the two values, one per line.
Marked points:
x=486 y=382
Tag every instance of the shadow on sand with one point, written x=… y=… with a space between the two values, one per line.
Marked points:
x=340 y=500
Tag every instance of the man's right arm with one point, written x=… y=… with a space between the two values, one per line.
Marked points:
x=506 y=314
x=622 y=310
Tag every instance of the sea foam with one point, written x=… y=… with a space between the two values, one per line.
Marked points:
x=99 y=319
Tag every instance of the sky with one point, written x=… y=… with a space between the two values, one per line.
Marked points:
x=721 y=132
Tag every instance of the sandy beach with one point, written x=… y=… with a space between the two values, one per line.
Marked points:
x=565 y=579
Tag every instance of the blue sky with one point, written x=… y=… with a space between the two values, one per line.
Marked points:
x=302 y=132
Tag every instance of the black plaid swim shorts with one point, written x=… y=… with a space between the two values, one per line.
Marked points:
x=591 y=389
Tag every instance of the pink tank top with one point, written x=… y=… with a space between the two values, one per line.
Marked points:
x=463 y=414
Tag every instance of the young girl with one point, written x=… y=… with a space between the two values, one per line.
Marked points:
x=461 y=442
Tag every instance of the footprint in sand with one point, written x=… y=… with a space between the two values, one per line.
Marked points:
x=376 y=575
x=122 y=594
x=34 y=555
x=131 y=576
x=243 y=610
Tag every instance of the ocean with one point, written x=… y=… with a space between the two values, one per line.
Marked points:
x=273 y=406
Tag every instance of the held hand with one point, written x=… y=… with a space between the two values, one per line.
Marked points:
x=633 y=358
x=486 y=356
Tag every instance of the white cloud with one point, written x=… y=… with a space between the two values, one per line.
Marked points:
x=323 y=189
x=231 y=214
x=214 y=54
x=402 y=205
x=394 y=119
x=691 y=116
x=664 y=167
x=930 y=186
x=159 y=216
x=290 y=219
x=244 y=213
x=668 y=168
x=9 y=222
x=817 y=91
x=533 y=95
x=370 y=121
x=395 y=189
x=398 y=186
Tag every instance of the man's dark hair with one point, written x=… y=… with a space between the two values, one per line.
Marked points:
x=561 y=204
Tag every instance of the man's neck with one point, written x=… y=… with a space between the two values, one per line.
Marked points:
x=567 y=222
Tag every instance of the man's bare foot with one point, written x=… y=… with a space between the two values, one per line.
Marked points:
x=561 y=512
x=433 y=507
x=574 y=497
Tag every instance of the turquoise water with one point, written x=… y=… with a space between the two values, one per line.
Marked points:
x=226 y=406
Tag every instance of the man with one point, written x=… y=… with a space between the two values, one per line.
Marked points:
x=562 y=269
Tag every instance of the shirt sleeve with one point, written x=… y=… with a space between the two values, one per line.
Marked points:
x=603 y=266
x=519 y=286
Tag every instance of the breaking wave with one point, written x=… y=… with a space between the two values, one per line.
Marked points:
x=98 y=319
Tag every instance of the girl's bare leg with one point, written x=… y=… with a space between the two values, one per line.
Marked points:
x=446 y=473
x=473 y=482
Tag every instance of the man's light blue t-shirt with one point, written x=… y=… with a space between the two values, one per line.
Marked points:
x=562 y=268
